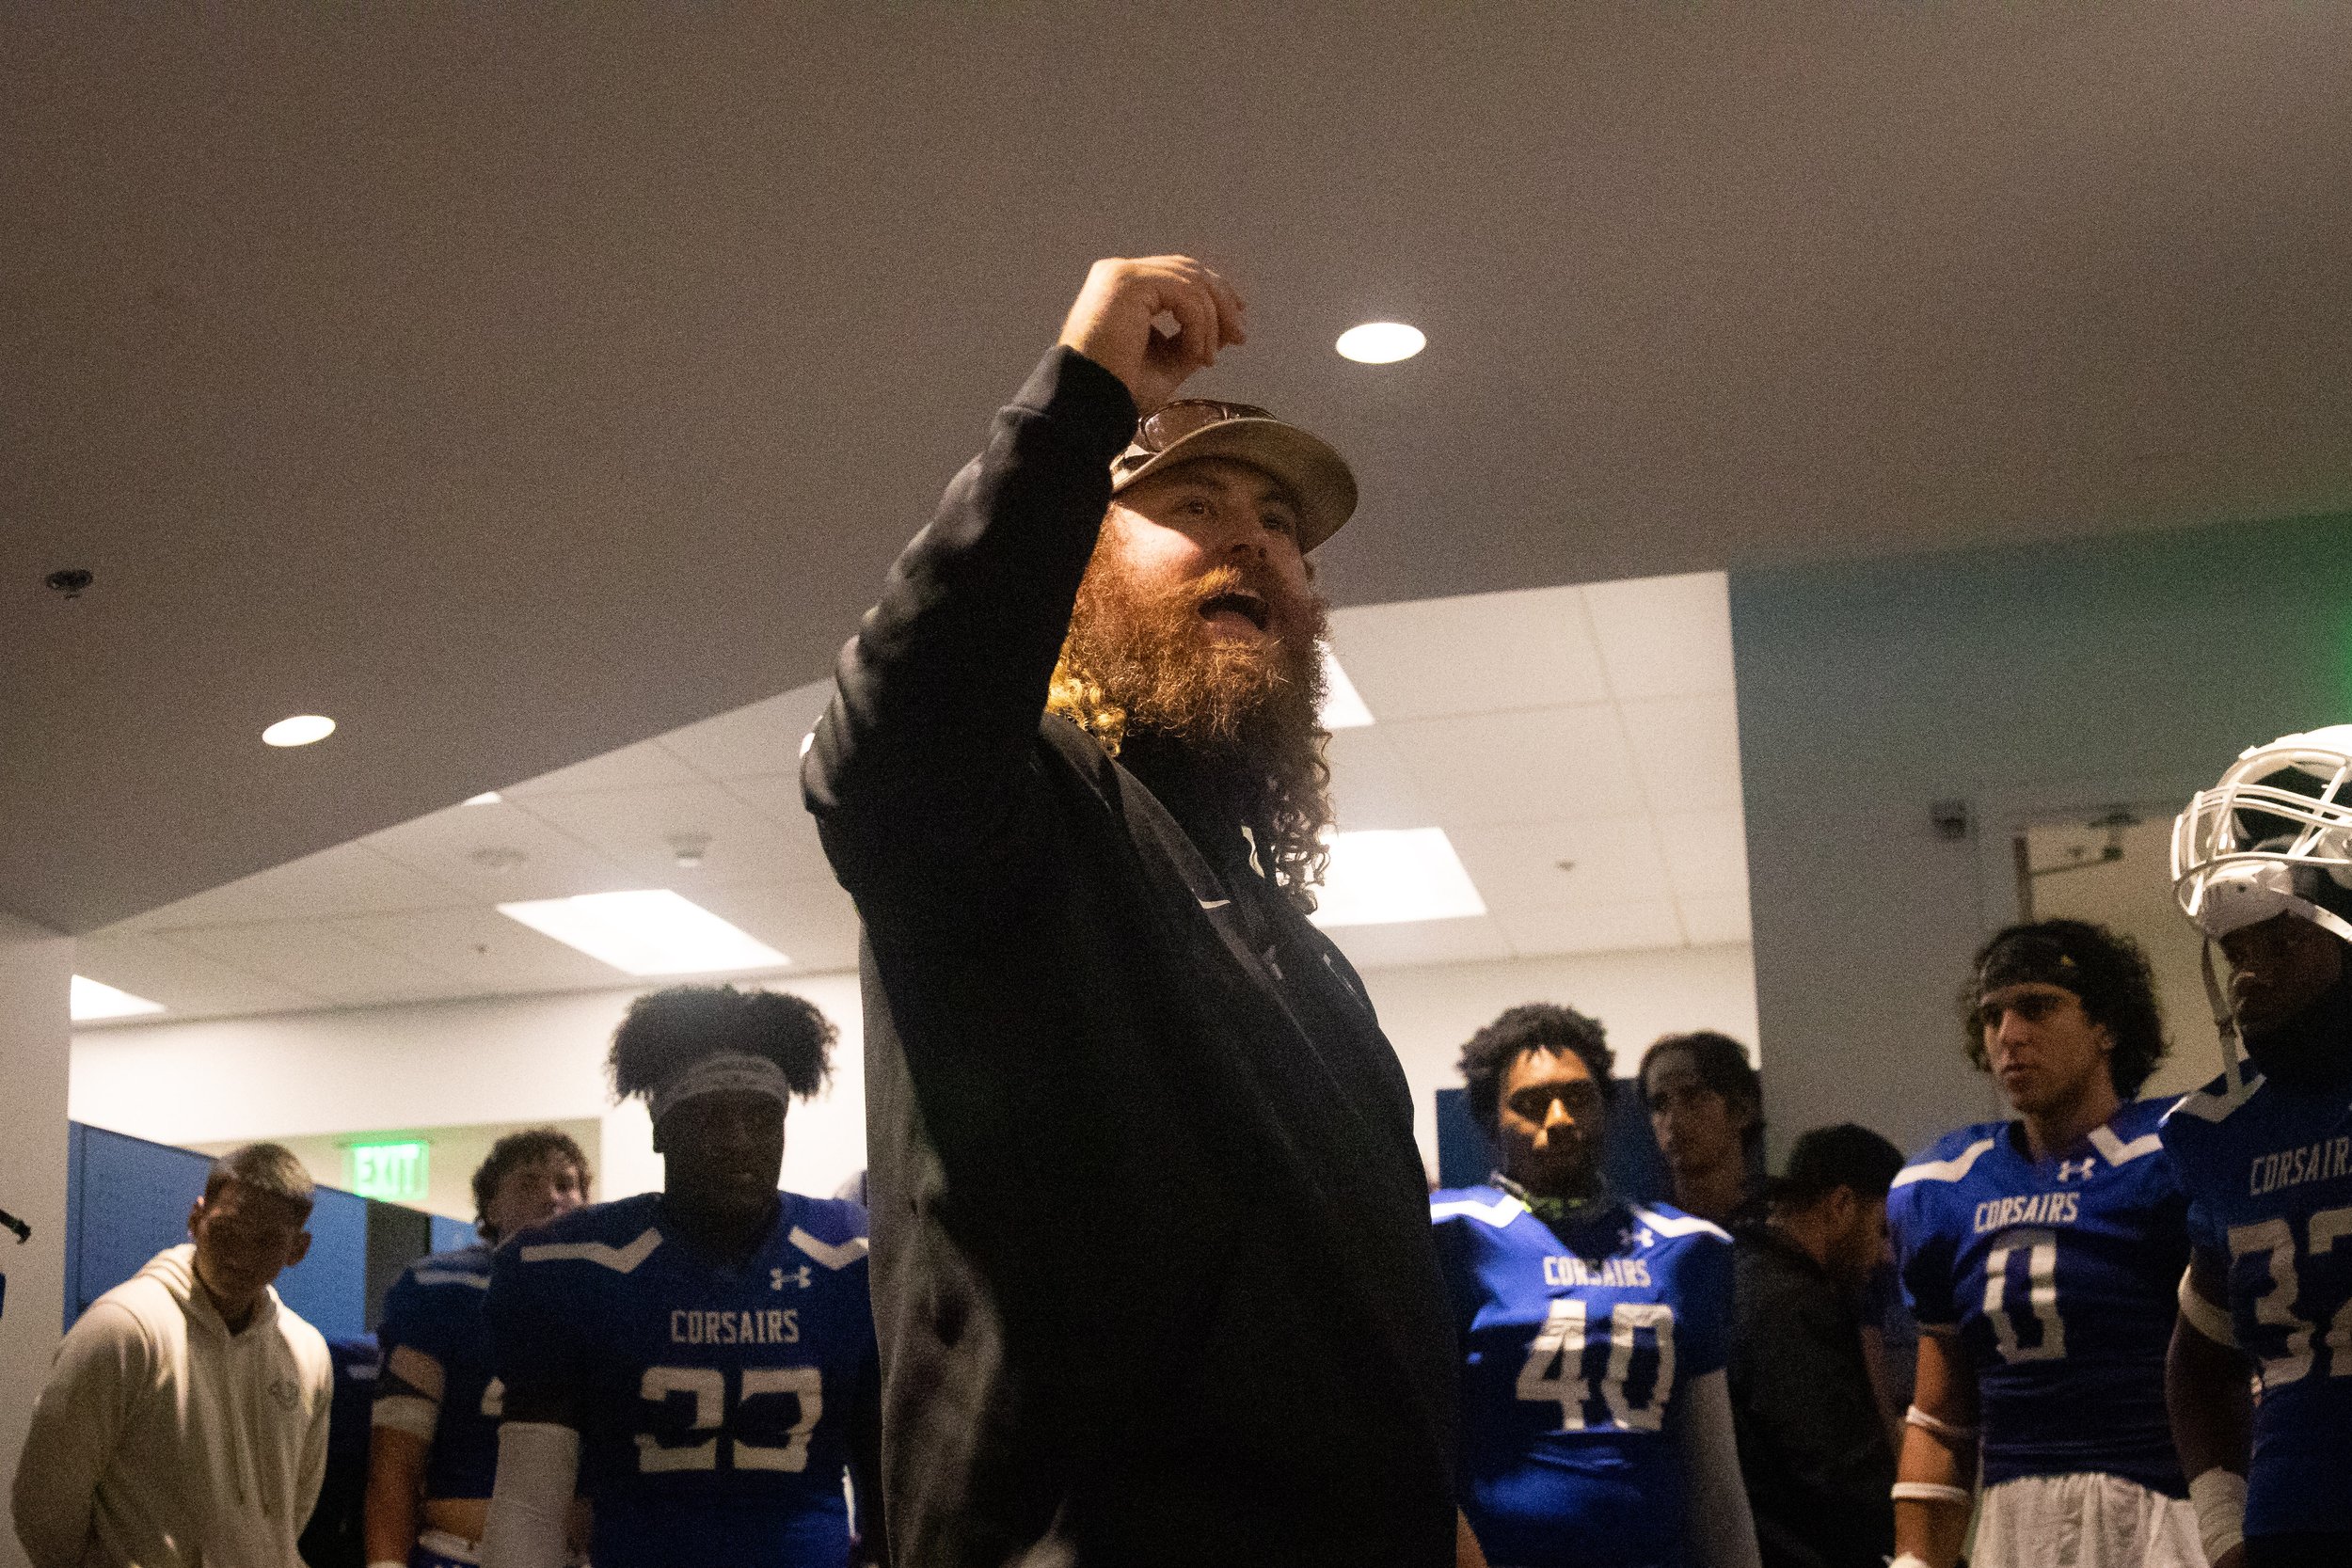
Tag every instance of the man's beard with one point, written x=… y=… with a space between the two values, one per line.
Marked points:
x=1143 y=663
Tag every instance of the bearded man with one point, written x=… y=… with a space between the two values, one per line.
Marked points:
x=1151 y=1268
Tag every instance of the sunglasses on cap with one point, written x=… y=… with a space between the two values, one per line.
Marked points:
x=1173 y=421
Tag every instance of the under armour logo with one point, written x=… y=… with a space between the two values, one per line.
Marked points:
x=2068 y=1168
x=1638 y=1238
x=798 y=1276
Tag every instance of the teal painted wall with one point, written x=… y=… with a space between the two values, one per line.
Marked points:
x=2027 y=682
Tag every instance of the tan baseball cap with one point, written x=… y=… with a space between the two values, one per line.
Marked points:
x=1305 y=464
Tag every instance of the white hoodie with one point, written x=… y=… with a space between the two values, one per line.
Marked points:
x=165 y=1441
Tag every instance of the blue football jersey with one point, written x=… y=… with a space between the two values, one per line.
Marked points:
x=436 y=1306
x=2269 y=1175
x=714 y=1402
x=2059 y=1277
x=1576 y=1351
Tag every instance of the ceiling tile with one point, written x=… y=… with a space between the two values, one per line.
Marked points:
x=777 y=797
x=1371 y=786
x=1479 y=654
x=1713 y=920
x=1706 y=853
x=1665 y=637
x=1687 y=749
x=468 y=848
x=764 y=737
x=1549 y=765
x=812 y=922
x=1516 y=866
x=632 y=828
x=636 y=767
x=1423 y=941
x=349 y=879
x=481 y=951
x=187 y=983
x=321 y=959
x=1593 y=927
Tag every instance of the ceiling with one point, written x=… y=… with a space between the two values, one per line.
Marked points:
x=1577 y=746
x=515 y=383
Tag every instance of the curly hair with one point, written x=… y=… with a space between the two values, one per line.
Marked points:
x=1492 y=1052
x=667 y=1030
x=513 y=1152
x=2104 y=970
x=1722 y=1066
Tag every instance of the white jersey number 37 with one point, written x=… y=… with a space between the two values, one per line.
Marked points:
x=1554 y=1372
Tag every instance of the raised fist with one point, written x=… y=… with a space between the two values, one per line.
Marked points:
x=1111 y=322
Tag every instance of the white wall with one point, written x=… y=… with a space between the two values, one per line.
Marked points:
x=2030 y=683
x=541 y=1058
x=36 y=967
x=512 y=1059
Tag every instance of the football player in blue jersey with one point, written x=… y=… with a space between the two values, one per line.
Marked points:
x=2041 y=1256
x=1595 y=1427
x=435 y=1449
x=700 y=1360
x=2262 y=863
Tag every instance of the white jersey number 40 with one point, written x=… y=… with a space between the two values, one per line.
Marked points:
x=1554 y=1372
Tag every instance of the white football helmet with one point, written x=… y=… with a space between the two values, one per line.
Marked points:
x=2271 y=838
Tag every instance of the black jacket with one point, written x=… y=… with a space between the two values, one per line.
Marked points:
x=1813 y=1448
x=1152 y=1269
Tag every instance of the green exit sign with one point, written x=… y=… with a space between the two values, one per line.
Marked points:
x=395 y=1172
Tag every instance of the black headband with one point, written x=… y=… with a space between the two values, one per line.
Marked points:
x=2031 y=960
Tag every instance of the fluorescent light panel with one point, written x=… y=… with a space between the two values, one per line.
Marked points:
x=1389 y=876
x=650 y=932
x=1343 y=709
x=87 y=1000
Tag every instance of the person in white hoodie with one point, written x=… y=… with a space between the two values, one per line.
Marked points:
x=185 y=1423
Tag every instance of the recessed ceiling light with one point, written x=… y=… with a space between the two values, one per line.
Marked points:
x=1343 y=709
x=87 y=1000
x=301 y=730
x=1380 y=343
x=1391 y=875
x=649 y=932
x=487 y=797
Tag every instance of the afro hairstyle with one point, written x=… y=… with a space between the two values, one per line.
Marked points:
x=1492 y=1052
x=667 y=1031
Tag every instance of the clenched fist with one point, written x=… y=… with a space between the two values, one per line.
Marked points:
x=1111 y=322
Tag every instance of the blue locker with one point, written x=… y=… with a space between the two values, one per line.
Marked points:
x=130 y=1199
x=449 y=1234
x=329 y=1287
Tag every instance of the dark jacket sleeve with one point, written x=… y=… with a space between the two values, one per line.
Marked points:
x=917 y=767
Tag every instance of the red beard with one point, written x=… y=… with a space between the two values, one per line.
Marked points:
x=1150 y=653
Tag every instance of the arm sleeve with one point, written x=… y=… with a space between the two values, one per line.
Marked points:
x=937 y=699
x=76 y=1423
x=314 y=1479
x=1923 y=1260
x=534 y=1344
x=1722 y=1532
x=1705 y=1339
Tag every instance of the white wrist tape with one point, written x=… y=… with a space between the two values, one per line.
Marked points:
x=1909 y=1560
x=2205 y=1317
x=410 y=1413
x=2218 y=1496
x=1931 y=1492
x=531 y=1500
x=1945 y=1430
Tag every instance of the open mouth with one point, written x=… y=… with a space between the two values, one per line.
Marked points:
x=1241 y=602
